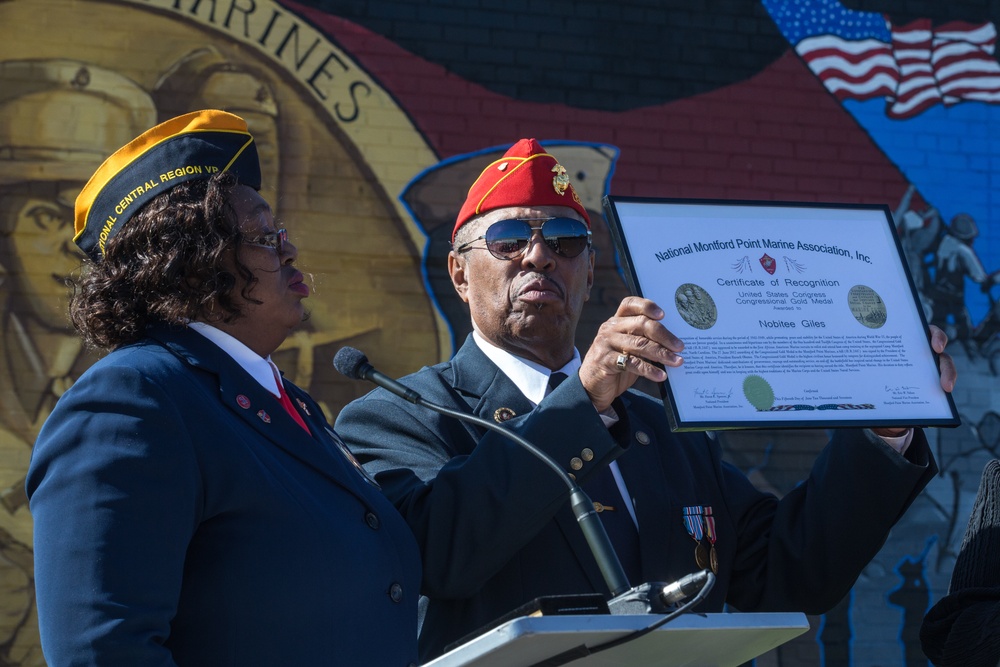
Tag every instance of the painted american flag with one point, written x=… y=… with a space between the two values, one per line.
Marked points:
x=861 y=55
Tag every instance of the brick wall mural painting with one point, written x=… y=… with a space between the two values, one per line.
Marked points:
x=374 y=117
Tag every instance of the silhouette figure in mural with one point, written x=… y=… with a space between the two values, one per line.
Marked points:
x=919 y=235
x=46 y=156
x=987 y=333
x=940 y=258
x=954 y=262
x=835 y=634
x=913 y=597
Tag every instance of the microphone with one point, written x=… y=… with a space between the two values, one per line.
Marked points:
x=684 y=587
x=658 y=598
x=354 y=364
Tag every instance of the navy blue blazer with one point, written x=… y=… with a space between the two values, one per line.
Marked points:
x=183 y=517
x=495 y=531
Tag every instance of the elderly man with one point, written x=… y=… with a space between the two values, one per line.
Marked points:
x=492 y=521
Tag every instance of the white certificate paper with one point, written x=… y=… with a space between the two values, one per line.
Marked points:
x=792 y=315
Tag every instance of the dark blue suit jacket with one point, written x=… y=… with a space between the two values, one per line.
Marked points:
x=182 y=517
x=495 y=532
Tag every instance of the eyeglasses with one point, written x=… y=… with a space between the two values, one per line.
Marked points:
x=508 y=239
x=273 y=240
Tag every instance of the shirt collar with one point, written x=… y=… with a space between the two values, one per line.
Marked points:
x=260 y=369
x=530 y=378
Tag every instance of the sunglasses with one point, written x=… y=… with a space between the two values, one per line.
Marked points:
x=273 y=240
x=508 y=239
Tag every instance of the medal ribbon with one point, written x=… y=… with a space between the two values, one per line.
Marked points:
x=709 y=524
x=692 y=521
x=713 y=557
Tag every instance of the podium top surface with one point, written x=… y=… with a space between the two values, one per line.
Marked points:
x=701 y=640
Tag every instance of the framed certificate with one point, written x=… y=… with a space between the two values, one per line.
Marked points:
x=792 y=315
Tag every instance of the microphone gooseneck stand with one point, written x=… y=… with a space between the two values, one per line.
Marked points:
x=354 y=364
x=648 y=598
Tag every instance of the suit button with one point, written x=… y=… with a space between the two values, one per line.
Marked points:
x=642 y=437
x=372 y=520
x=575 y=463
x=396 y=593
x=587 y=454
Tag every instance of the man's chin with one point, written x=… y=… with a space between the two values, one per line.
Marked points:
x=543 y=323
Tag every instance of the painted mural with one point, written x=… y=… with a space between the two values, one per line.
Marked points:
x=372 y=132
x=64 y=109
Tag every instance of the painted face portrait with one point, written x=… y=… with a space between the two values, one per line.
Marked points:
x=37 y=252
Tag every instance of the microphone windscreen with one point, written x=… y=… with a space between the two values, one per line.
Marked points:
x=349 y=361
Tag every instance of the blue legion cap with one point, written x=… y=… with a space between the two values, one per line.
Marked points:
x=191 y=146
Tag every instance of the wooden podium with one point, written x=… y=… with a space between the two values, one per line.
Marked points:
x=698 y=640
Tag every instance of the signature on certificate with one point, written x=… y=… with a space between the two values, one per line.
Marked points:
x=713 y=393
x=892 y=389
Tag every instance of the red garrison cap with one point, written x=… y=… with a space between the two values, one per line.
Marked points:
x=525 y=176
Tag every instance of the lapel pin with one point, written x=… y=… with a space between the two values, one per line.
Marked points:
x=302 y=405
x=243 y=401
x=264 y=417
x=503 y=414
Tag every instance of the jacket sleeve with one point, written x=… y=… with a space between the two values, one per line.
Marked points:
x=114 y=491
x=805 y=552
x=472 y=498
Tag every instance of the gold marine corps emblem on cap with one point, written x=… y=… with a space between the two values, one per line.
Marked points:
x=560 y=181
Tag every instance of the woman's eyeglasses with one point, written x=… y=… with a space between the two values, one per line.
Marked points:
x=508 y=239
x=274 y=240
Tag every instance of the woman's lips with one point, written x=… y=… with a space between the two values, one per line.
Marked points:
x=297 y=284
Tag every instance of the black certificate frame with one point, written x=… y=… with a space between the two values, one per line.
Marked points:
x=670 y=211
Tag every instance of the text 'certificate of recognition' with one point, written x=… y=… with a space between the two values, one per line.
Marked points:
x=792 y=315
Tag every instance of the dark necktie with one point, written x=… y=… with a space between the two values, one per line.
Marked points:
x=603 y=491
x=556 y=379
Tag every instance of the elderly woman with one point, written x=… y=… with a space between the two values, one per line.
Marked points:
x=191 y=506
